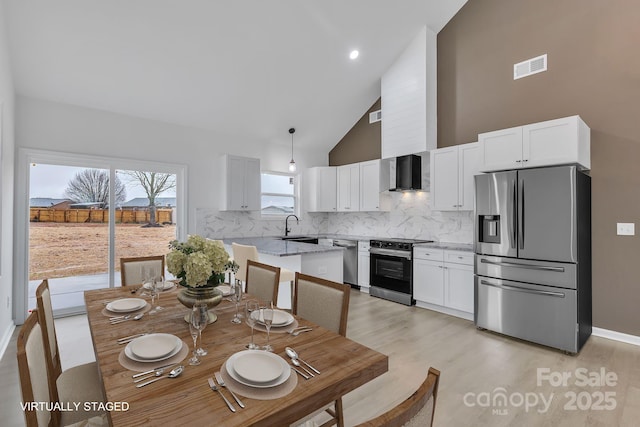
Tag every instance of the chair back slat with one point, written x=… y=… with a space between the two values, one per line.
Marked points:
x=263 y=281
x=322 y=301
x=32 y=367
x=131 y=268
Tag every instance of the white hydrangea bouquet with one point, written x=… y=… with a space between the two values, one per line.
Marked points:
x=199 y=262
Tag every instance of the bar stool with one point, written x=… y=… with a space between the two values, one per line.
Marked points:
x=243 y=253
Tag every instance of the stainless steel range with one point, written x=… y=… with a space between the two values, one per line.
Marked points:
x=391 y=269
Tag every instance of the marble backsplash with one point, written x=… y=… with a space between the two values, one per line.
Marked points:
x=219 y=224
x=410 y=217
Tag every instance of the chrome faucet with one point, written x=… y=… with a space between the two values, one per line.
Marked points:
x=286 y=224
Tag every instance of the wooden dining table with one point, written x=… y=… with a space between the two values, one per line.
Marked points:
x=187 y=399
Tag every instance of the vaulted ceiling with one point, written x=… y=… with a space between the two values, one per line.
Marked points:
x=252 y=68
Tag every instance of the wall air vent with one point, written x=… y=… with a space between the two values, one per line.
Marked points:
x=376 y=116
x=530 y=66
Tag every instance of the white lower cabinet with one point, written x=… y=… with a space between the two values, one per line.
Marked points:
x=363 y=266
x=443 y=281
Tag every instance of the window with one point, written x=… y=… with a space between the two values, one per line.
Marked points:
x=278 y=196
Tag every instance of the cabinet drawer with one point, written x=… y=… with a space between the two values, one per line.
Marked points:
x=459 y=257
x=363 y=246
x=431 y=254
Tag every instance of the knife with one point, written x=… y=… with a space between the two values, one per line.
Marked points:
x=152 y=370
x=130 y=337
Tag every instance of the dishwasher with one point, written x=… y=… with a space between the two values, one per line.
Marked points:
x=350 y=260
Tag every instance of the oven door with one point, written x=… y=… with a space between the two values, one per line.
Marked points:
x=390 y=269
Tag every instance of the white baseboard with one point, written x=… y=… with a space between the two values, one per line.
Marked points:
x=6 y=337
x=616 y=336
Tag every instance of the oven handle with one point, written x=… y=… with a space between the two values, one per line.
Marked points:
x=390 y=252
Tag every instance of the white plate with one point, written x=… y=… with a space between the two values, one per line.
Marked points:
x=264 y=359
x=154 y=346
x=280 y=318
x=166 y=285
x=126 y=305
x=130 y=355
x=225 y=289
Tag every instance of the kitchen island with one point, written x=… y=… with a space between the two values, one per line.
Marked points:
x=316 y=260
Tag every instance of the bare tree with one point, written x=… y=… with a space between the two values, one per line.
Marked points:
x=153 y=183
x=92 y=185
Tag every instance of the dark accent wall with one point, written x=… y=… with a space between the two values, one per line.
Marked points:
x=593 y=71
x=360 y=144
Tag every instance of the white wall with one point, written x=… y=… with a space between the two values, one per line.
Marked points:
x=59 y=127
x=6 y=182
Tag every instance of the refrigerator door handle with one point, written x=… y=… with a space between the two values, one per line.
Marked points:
x=521 y=212
x=512 y=216
x=527 y=291
x=527 y=266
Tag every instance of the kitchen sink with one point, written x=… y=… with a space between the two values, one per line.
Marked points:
x=301 y=239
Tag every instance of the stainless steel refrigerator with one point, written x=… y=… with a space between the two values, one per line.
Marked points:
x=533 y=255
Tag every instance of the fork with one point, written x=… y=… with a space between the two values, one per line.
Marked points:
x=222 y=384
x=299 y=331
x=214 y=387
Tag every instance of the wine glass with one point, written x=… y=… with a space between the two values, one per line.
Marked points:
x=251 y=312
x=267 y=317
x=149 y=281
x=194 y=329
x=158 y=287
x=236 y=297
x=202 y=312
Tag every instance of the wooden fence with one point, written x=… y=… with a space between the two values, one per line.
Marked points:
x=141 y=216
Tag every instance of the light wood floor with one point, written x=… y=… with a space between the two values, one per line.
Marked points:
x=476 y=364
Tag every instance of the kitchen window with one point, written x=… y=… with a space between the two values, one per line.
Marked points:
x=279 y=195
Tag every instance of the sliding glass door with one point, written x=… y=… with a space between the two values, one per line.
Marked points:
x=82 y=214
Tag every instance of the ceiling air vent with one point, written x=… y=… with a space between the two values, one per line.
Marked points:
x=376 y=116
x=530 y=66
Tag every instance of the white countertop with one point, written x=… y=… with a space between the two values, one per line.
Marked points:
x=278 y=247
x=466 y=247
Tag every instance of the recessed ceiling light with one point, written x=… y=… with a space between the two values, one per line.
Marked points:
x=354 y=54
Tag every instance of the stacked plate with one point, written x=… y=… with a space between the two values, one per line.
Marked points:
x=225 y=289
x=280 y=318
x=166 y=285
x=126 y=305
x=257 y=368
x=153 y=347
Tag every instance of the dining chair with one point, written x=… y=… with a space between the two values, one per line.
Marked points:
x=32 y=369
x=130 y=268
x=262 y=280
x=243 y=253
x=416 y=411
x=80 y=383
x=326 y=303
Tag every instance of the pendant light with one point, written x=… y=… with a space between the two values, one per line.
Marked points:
x=292 y=163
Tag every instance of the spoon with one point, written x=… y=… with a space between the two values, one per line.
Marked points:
x=299 y=365
x=174 y=373
x=294 y=355
x=299 y=331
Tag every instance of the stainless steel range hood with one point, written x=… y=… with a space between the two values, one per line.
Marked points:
x=408 y=173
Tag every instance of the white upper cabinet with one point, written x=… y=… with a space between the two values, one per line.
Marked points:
x=554 y=142
x=408 y=92
x=349 y=188
x=452 y=171
x=321 y=187
x=374 y=179
x=240 y=189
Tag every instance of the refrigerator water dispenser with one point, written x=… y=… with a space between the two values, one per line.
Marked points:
x=489 y=229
